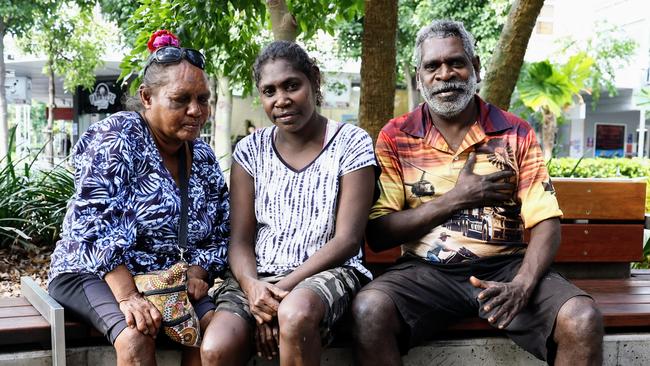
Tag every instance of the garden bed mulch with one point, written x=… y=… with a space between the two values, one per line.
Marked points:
x=16 y=263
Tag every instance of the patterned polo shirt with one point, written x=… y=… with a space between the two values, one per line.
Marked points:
x=418 y=166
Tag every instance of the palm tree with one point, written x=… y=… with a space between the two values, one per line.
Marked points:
x=643 y=97
x=550 y=88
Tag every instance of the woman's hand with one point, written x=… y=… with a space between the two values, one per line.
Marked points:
x=263 y=299
x=197 y=289
x=137 y=310
x=197 y=285
x=141 y=314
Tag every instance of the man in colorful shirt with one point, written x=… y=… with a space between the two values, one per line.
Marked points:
x=461 y=180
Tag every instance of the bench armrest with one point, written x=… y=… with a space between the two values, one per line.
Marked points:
x=52 y=311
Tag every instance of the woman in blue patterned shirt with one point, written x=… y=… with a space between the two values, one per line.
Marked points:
x=123 y=219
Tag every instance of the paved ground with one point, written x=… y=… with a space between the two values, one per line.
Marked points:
x=622 y=349
x=16 y=263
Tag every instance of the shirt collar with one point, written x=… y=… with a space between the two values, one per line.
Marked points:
x=491 y=119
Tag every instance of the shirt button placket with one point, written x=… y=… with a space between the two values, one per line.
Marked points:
x=455 y=163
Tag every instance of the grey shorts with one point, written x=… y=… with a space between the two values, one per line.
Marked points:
x=88 y=298
x=431 y=296
x=336 y=287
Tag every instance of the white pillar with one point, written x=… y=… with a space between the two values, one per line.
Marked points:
x=576 y=142
x=640 y=148
x=576 y=114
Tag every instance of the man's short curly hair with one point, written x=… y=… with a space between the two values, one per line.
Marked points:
x=444 y=29
x=296 y=57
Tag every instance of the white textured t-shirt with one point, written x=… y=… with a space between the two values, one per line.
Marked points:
x=296 y=210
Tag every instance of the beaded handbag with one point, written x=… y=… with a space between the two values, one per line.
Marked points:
x=167 y=291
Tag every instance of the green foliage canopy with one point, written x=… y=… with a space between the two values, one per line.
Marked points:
x=119 y=12
x=483 y=18
x=69 y=37
x=545 y=85
x=229 y=32
x=19 y=16
x=611 y=50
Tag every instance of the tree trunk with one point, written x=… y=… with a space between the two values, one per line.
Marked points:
x=49 y=146
x=283 y=23
x=411 y=87
x=222 y=119
x=214 y=98
x=377 y=102
x=503 y=72
x=4 y=128
x=549 y=129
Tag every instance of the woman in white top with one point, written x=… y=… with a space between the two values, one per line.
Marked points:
x=300 y=195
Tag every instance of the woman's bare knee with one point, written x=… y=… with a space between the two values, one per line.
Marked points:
x=133 y=347
x=301 y=311
x=227 y=340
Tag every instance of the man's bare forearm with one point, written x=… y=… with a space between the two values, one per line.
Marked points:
x=544 y=242
x=403 y=226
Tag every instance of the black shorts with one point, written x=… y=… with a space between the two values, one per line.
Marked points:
x=431 y=296
x=87 y=297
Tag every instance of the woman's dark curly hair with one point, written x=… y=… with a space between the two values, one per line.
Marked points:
x=296 y=57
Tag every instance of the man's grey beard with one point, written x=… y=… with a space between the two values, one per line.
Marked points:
x=449 y=108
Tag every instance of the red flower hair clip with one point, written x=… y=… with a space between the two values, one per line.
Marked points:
x=162 y=38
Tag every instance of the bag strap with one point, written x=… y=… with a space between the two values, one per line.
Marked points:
x=184 y=182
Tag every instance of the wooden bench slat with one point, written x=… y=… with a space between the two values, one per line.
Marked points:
x=7 y=302
x=629 y=290
x=600 y=243
x=599 y=199
x=18 y=311
x=23 y=322
x=385 y=257
x=614 y=283
x=623 y=310
x=626 y=315
x=616 y=298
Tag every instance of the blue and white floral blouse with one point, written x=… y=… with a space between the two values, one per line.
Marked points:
x=126 y=205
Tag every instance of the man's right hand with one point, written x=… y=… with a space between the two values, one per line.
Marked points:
x=141 y=314
x=263 y=299
x=472 y=190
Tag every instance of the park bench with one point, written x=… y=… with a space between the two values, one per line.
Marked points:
x=602 y=232
x=36 y=321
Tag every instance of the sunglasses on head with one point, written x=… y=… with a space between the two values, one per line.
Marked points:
x=171 y=54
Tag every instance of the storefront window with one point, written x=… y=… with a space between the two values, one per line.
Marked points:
x=610 y=140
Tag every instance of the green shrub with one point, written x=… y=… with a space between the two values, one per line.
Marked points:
x=599 y=167
x=603 y=168
x=32 y=203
